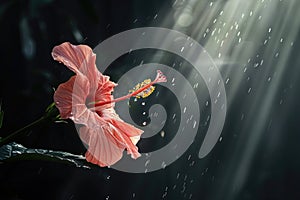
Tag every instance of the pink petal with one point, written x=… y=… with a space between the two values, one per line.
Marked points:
x=107 y=138
x=70 y=96
x=124 y=133
x=103 y=92
x=112 y=117
x=79 y=59
x=104 y=132
x=102 y=148
x=63 y=98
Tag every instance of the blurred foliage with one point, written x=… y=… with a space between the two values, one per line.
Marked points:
x=29 y=31
x=1 y=114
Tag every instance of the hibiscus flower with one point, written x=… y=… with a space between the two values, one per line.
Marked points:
x=86 y=98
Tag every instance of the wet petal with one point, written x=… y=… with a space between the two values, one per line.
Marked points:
x=70 y=97
x=125 y=133
x=107 y=140
x=112 y=117
x=79 y=59
x=124 y=136
x=63 y=98
x=105 y=134
x=103 y=92
x=103 y=150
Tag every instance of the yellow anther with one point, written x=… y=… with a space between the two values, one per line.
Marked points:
x=146 y=92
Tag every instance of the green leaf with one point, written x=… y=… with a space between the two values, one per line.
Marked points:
x=13 y=152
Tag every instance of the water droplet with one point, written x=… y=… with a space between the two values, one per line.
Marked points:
x=281 y=40
x=249 y=90
x=222 y=42
x=213 y=32
x=163 y=165
x=182 y=49
x=147 y=162
x=192 y=163
x=227 y=80
x=143 y=103
x=223 y=106
x=262 y=62
x=270 y=29
x=194 y=125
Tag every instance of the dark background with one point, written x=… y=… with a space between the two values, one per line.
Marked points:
x=29 y=31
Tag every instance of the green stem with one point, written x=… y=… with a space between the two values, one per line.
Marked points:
x=50 y=114
x=21 y=131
